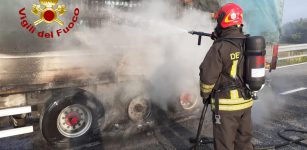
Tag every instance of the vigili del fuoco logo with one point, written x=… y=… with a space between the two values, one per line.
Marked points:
x=48 y=12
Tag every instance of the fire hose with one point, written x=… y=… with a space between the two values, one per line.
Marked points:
x=288 y=140
x=204 y=141
x=199 y=141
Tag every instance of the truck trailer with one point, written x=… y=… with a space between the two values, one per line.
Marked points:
x=77 y=92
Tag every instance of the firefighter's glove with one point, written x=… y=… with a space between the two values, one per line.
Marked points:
x=213 y=36
x=206 y=100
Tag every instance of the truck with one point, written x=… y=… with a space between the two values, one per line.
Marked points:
x=82 y=86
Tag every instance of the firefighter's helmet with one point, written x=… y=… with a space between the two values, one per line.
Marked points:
x=229 y=15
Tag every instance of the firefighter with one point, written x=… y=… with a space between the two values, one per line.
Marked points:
x=221 y=78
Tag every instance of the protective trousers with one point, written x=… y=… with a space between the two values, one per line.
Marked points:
x=235 y=130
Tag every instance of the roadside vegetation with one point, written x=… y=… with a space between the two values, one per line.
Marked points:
x=295 y=32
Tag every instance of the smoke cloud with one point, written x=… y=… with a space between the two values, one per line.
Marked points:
x=269 y=101
x=149 y=40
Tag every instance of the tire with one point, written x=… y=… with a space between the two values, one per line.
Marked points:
x=186 y=102
x=138 y=108
x=135 y=101
x=71 y=118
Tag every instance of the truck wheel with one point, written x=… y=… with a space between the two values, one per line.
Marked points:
x=70 y=118
x=139 y=109
x=135 y=101
x=186 y=102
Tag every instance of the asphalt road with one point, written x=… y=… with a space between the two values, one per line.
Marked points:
x=282 y=105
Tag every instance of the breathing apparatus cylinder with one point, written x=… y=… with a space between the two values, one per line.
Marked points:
x=254 y=72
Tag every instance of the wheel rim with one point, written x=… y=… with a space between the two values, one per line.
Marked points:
x=139 y=109
x=74 y=120
x=188 y=100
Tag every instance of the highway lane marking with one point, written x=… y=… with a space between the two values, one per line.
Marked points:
x=293 y=91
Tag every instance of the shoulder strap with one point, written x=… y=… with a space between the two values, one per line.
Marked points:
x=230 y=40
x=241 y=58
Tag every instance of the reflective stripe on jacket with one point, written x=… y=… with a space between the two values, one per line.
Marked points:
x=220 y=66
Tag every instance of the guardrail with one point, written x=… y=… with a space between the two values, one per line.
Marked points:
x=292 y=54
x=287 y=48
x=291 y=57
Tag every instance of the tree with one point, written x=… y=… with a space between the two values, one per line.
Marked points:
x=295 y=32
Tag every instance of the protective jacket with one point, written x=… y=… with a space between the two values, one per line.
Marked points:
x=224 y=64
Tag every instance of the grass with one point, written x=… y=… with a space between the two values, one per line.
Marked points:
x=292 y=61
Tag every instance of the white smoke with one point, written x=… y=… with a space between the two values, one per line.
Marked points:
x=152 y=41
x=268 y=101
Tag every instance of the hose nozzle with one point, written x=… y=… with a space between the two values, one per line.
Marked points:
x=199 y=34
x=192 y=32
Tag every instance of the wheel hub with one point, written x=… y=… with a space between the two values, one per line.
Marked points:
x=139 y=109
x=74 y=120
x=188 y=100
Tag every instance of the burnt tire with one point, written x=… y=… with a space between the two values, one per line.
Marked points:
x=138 y=108
x=135 y=101
x=187 y=102
x=71 y=118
